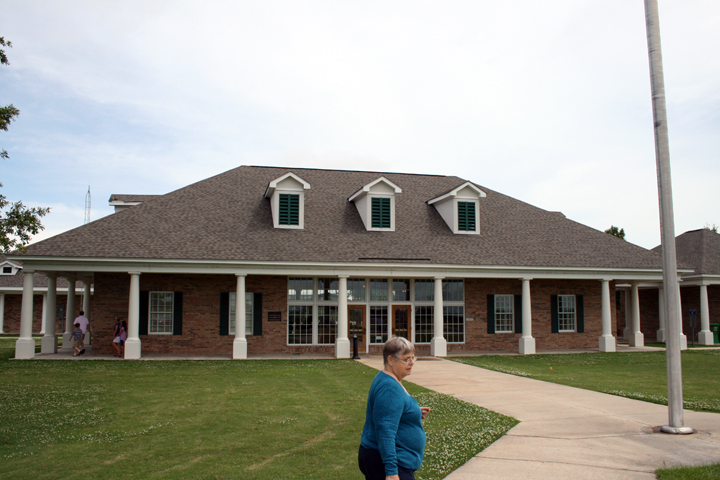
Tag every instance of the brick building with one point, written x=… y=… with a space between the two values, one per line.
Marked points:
x=318 y=256
x=699 y=290
x=11 y=291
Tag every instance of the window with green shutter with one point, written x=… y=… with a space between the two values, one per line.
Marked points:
x=380 y=212
x=466 y=216
x=289 y=209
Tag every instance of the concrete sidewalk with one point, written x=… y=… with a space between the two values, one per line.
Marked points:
x=565 y=432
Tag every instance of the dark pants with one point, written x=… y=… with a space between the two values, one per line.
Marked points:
x=372 y=466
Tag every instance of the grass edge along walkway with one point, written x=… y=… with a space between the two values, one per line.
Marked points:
x=636 y=375
x=209 y=419
x=702 y=472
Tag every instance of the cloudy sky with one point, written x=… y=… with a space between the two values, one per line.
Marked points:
x=546 y=101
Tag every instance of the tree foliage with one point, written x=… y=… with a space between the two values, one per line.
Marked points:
x=17 y=222
x=8 y=113
x=714 y=227
x=616 y=232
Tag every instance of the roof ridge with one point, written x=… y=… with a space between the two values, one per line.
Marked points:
x=352 y=171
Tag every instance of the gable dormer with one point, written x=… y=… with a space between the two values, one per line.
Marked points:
x=9 y=268
x=375 y=203
x=460 y=208
x=287 y=201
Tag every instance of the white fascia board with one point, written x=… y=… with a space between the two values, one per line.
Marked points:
x=455 y=191
x=123 y=204
x=273 y=184
x=228 y=267
x=38 y=290
x=702 y=279
x=366 y=189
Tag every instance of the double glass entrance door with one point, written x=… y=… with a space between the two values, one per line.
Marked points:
x=399 y=323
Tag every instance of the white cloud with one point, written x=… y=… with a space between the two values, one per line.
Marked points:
x=545 y=101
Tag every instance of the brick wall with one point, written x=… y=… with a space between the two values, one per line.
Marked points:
x=689 y=298
x=13 y=308
x=649 y=313
x=478 y=338
x=201 y=315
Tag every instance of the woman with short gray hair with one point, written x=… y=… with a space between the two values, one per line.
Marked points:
x=393 y=439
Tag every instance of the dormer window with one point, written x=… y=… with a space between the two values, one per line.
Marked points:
x=459 y=208
x=287 y=201
x=466 y=216
x=380 y=210
x=289 y=209
x=9 y=268
x=375 y=203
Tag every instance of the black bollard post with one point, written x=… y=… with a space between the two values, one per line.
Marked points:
x=355 y=352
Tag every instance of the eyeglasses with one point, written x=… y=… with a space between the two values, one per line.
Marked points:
x=407 y=360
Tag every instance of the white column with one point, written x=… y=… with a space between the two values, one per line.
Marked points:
x=661 y=315
x=2 y=313
x=342 y=344
x=527 y=342
x=705 y=337
x=683 y=338
x=132 y=344
x=49 y=341
x=42 y=315
x=240 y=342
x=438 y=344
x=636 y=337
x=86 y=309
x=69 y=313
x=25 y=345
x=606 y=341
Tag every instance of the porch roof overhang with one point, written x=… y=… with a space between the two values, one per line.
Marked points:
x=700 y=279
x=84 y=267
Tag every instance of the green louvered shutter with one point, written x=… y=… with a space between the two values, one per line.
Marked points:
x=177 y=313
x=289 y=209
x=144 y=313
x=518 y=314
x=380 y=213
x=257 y=313
x=579 y=314
x=491 y=314
x=466 y=216
x=224 y=313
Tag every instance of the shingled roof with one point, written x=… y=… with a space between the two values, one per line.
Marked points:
x=699 y=249
x=227 y=217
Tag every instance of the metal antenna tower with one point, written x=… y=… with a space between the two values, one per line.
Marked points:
x=87 y=206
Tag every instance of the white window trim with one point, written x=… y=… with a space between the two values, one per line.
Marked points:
x=445 y=303
x=150 y=312
x=574 y=329
x=275 y=205
x=369 y=213
x=512 y=318
x=457 y=217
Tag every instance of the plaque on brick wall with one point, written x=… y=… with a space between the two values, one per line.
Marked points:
x=274 y=316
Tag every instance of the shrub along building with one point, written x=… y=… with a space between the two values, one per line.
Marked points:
x=262 y=260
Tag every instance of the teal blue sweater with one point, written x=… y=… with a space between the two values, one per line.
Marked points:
x=393 y=425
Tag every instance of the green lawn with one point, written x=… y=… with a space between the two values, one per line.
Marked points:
x=208 y=420
x=705 y=472
x=639 y=375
